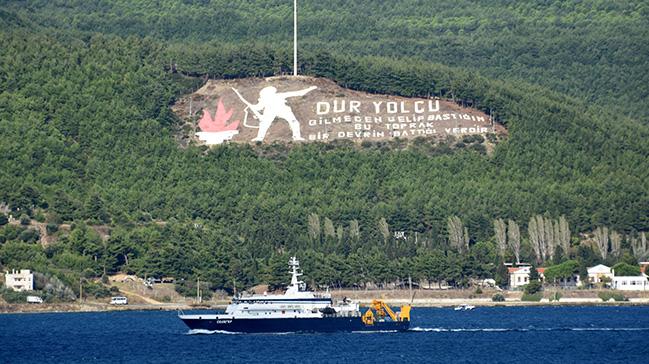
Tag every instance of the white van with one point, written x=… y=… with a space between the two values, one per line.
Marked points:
x=34 y=299
x=120 y=300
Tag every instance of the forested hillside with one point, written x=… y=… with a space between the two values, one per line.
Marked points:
x=87 y=138
x=593 y=49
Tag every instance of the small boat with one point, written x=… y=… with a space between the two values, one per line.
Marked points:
x=464 y=307
x=299 y=310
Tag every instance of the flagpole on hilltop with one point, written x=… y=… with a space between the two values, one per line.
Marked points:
x=294 y=37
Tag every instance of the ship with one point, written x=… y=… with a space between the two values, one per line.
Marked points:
x=298 y=310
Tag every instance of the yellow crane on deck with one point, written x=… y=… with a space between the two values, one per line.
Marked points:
x=382 y=309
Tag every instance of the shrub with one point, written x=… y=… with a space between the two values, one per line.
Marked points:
x=25 y=220
x=478 y=148
x=145 y=217
x=498 y=297
x=467 y=139
x=54 y=218
x=29 y=236
x=187 y=288
x=478 y=290
x=532 y=287
x=51 y=228
x=166 y=299
x=3 y=220
x=11 y=296
x=606 y=296
x=535 y=297
x=39 y=217
x=556 y=296
x=56 y=291
x=114 y=289
x=11 y=232
x=493 y=138
x=97 y=290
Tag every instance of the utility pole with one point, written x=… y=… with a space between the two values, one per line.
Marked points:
x=294 y=37
x=198 y=290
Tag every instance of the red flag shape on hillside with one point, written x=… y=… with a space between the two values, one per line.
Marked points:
x=207 y=124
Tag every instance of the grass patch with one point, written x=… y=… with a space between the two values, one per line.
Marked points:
x=532 y=297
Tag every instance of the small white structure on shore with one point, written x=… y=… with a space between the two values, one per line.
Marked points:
x=631 y=283
x=600 y=274
x=19 y=281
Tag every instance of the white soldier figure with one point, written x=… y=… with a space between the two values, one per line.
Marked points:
x=272 y=105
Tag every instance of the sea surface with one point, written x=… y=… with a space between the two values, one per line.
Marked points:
x=438 y=335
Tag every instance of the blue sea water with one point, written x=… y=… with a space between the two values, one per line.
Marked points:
x=485 y=335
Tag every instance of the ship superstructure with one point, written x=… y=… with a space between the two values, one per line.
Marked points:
x=298 y=310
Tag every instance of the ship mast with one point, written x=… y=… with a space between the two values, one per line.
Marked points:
x=294 y=37
x=294 y=287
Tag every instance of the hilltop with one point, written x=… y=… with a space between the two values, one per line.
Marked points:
x=592 y=50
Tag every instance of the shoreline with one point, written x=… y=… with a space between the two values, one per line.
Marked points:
x=219 y=305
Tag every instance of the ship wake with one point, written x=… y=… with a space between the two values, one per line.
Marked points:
x=530 y=329
x=222 y=332
x=210 y=332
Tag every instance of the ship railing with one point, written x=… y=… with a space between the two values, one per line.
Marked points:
x=344 y=314
x=322 y=295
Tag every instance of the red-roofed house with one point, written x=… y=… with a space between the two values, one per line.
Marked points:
x=643 y=267
x=520 y=276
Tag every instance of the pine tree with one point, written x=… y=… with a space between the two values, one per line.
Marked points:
x=534 y=274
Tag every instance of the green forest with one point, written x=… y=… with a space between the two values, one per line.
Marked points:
x=87 y=141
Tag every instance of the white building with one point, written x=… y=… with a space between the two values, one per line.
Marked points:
x=570 y=282
x=520 y=276
x=600 y=274
x=631 y=283
x=22 y=280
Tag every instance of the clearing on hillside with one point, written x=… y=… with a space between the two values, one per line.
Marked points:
x=316 y=109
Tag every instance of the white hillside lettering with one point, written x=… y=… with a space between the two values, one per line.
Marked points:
x=304 y=109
